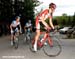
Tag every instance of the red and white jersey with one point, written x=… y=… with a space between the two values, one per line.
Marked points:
x=44 y=14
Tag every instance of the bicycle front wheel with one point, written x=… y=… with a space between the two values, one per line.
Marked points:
x=54 y=50
x=16 y=43
x=31 y=45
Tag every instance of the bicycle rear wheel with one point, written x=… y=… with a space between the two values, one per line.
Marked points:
x=54 y=50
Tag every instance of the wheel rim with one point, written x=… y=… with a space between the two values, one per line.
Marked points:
x=52 y=51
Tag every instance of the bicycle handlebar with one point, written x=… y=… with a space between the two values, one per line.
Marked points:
x=51 y=30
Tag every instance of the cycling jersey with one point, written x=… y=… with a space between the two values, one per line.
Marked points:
x=15 y=27
x=44 y=14
x=28 y=24
x=15 y=24
x=28 y=27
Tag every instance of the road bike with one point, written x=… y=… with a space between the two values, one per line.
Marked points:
x=16 y=40
x=52 y=48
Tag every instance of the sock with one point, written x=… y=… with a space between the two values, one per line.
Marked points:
x=35 y=46
x=42 y=39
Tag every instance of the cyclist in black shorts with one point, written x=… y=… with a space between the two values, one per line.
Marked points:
x=44 y=18
x=28 y=26
x=15 y=27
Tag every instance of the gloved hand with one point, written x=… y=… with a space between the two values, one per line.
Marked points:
x=48 y=29
x=54 y=30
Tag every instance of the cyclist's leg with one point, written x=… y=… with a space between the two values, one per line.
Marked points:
x=44 y=39
x=12 y=37
x=27 y=34
x=37 y=34
x=36 y=39
x=15 y=41
x=16 y=34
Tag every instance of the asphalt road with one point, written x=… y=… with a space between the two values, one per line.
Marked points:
x=23 y=51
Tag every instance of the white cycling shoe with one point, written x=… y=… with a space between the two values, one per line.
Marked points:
x=35 y=48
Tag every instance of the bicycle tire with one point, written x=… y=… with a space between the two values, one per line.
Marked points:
x=25 y=39
x=16 y=43
x=29 y=38
x=52 y=51
x=31 y=45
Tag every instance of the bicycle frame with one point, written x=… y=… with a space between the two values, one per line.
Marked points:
x=48 y=39
x=40 y=44
x=52 y=49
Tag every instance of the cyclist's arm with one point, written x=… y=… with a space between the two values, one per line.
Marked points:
x=11 y=27
x=43 y=21
x=51 y=23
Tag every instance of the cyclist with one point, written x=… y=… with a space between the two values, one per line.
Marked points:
x=28 y=26
x=45 y=19
x=15 y=27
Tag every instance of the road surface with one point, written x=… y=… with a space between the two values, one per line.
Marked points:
x=23 y=52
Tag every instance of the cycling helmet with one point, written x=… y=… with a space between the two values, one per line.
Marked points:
x=29 y=21
x=52 y=5
x=17 y=17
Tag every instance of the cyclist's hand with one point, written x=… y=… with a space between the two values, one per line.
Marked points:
x=11 y=31
x=54 y=30
x=48 y=28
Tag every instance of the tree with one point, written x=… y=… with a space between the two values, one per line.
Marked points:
x=5 y=10
x=28 y=11
x=73 y=22
x=55 y=22
x=12 y=8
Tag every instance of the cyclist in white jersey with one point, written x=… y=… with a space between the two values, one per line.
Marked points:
x=28 y=26
x=15 y=27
